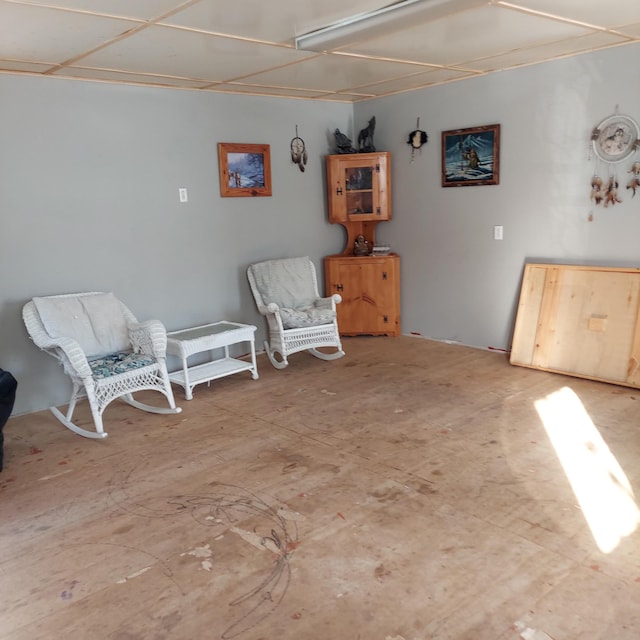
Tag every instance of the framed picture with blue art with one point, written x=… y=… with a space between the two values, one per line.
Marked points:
x=471 y=156
x=245 y=169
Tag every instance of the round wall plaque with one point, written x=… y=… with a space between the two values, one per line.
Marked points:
x=615 y=138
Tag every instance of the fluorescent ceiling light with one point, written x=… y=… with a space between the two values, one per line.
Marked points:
x=399 y=15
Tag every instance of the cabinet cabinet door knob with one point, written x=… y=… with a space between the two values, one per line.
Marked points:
x=339 y=287
x=384 y=275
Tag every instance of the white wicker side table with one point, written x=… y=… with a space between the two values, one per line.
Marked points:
x=207 y=337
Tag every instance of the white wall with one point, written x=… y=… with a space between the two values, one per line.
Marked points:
x=457 y=282
x=89 y=201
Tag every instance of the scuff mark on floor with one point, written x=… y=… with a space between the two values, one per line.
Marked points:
x=226 y=504
x=55 y=475
x=201 y=552
x=290 y=515
x=133 y=575
x=67 y=593
x=258 y=541
x=534 y=634
x=207 y=565
x=527 y=633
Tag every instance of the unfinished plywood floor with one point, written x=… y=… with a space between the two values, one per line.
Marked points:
x=408 y=491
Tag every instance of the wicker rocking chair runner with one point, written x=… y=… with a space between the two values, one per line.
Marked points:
x=105 y=351
x=286 y=293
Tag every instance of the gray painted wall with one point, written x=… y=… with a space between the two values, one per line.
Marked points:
x=89 y=201
x=91 y=172
x=458 y=283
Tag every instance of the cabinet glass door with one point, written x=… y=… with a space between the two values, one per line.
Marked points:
x=359 y=190
x=359 y=187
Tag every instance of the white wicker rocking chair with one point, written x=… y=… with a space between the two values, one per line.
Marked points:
x=286 y=293
x=106 y=352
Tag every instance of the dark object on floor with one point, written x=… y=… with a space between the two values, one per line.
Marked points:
x=8 y=386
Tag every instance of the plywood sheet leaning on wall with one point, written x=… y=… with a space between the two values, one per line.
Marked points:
x=581 y=321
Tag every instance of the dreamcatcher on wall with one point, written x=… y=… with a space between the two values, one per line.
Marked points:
x=615 y=141
x=417 y=138
x=298 y=151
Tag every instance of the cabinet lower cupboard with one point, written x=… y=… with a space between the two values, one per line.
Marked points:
x=370 y=290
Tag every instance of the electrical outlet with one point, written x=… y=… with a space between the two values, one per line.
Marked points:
x=498 y=232
x=182 y=192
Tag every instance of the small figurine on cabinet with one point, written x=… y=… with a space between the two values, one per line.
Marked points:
x=343 y=143
x=365 y=137
x=360 y=246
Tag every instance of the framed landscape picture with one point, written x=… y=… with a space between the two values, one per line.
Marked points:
x=245 y=169
x=471 y=156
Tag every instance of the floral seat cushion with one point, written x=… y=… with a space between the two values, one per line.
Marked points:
x=309 y=317
x=116 y=363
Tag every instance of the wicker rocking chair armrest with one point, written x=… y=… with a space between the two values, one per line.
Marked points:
x=149 y=337
x=328 y=303
x=74 y=354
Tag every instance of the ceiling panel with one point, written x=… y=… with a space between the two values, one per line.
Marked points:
x=604 y=14
x=488 y=31
x=278 y=21
x=436 y=76
x=247 y=46
x=545 y=52
x=267 y=91
x=347 y=97
x=38 y=34
x=144 y=9
x=178 y=52
x=631 y=30
x=119 y=76
x=29 y=67
x=334 y=72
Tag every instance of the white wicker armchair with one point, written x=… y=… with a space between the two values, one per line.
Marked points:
x=286 y=293
x=105 y=351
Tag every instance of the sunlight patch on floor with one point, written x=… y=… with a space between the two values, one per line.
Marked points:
x=599 y=483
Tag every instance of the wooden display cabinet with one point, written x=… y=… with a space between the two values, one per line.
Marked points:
x=359 y=197
x=359 y=193
x=370 y=290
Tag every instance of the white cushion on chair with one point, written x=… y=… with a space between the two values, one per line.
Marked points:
x=95 y=321
x=287 y=282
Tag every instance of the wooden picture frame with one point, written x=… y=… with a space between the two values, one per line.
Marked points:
x=245 y=169
x=471 y=156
